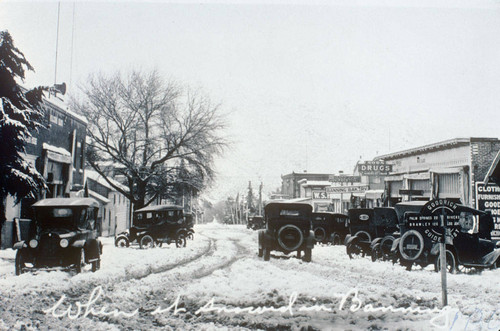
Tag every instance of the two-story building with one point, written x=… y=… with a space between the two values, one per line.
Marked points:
x=290 y=186
x=58 y=152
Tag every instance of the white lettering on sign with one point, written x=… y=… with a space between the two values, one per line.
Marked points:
x=488 y=199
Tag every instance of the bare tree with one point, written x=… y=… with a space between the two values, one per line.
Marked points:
x=145 y=128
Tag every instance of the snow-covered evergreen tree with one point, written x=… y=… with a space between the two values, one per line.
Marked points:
x=20 y=114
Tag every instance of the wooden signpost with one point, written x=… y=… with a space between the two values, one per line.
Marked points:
x=438 y=218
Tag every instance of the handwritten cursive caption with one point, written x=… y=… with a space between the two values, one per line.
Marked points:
x=445 y=319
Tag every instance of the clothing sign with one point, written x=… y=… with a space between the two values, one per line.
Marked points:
x=488 y=199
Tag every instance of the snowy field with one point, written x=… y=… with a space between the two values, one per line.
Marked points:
x=218 y=282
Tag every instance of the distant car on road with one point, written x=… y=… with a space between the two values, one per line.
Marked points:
x=288 y=229
x=155 y=225
x=63 y=234
x=256 y=223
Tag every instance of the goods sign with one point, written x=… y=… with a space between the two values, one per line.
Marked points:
x=374 y=168
x=488 y=199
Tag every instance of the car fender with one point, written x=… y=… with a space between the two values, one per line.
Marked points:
x=395 y=245
x=92 y=249
x=266 y=238
x=19 y=245
x=347 y=238
x=123 y=234
x=78 y=243
x=375 y=241
x=492 y=257
x=350 y=240
x=435 y=249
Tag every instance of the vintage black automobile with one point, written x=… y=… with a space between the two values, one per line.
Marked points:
x=256 y=223
x=62 y=234
x=155 y=225
x=288 y=229
x=467 y=247
x=368 y=227
x=385 y=222
x=330 y=228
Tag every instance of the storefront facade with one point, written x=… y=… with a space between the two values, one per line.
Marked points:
x=448 y=169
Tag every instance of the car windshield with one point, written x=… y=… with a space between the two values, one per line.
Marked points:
x=59 y=217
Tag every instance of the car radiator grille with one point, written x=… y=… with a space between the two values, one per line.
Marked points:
x=49 y=251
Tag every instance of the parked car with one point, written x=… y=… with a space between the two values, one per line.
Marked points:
x=154 y=225
x=368 y=227
x=288 y=229
x=330 y=228
x=62 y=234
x=465 y=246
x=256 y=223
x=386 y=225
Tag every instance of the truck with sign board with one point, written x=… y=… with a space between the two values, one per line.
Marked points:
x=424 y=225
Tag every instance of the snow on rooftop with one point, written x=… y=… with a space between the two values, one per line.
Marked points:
x=94 y=175
x=55 y=149
x=316 y=183
x=62 y=105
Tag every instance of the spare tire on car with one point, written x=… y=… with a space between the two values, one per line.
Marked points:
x=319 y=234
x=290 y=237
x=411 y=245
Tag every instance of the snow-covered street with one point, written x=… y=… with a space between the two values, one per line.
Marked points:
x=218 y=281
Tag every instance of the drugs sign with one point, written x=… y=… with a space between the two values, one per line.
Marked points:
x=374 y=168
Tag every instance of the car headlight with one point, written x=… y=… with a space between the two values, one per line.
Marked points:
x=33 y=243
x=64 y=243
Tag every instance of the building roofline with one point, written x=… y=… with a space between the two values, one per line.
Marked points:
x=432 y=147
x=306 y=173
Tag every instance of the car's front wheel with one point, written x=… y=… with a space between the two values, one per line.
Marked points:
x=180 y=241
x=147 y=242
x=122 y=241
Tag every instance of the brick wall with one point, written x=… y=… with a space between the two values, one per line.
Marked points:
x=482 y=155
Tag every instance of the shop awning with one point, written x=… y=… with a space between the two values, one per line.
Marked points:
x=446 y=171
x=374 y=194
x=397 y=178
x=421 y=176
x=57 y=154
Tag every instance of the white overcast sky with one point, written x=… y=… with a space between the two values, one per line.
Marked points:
x=313 y=87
